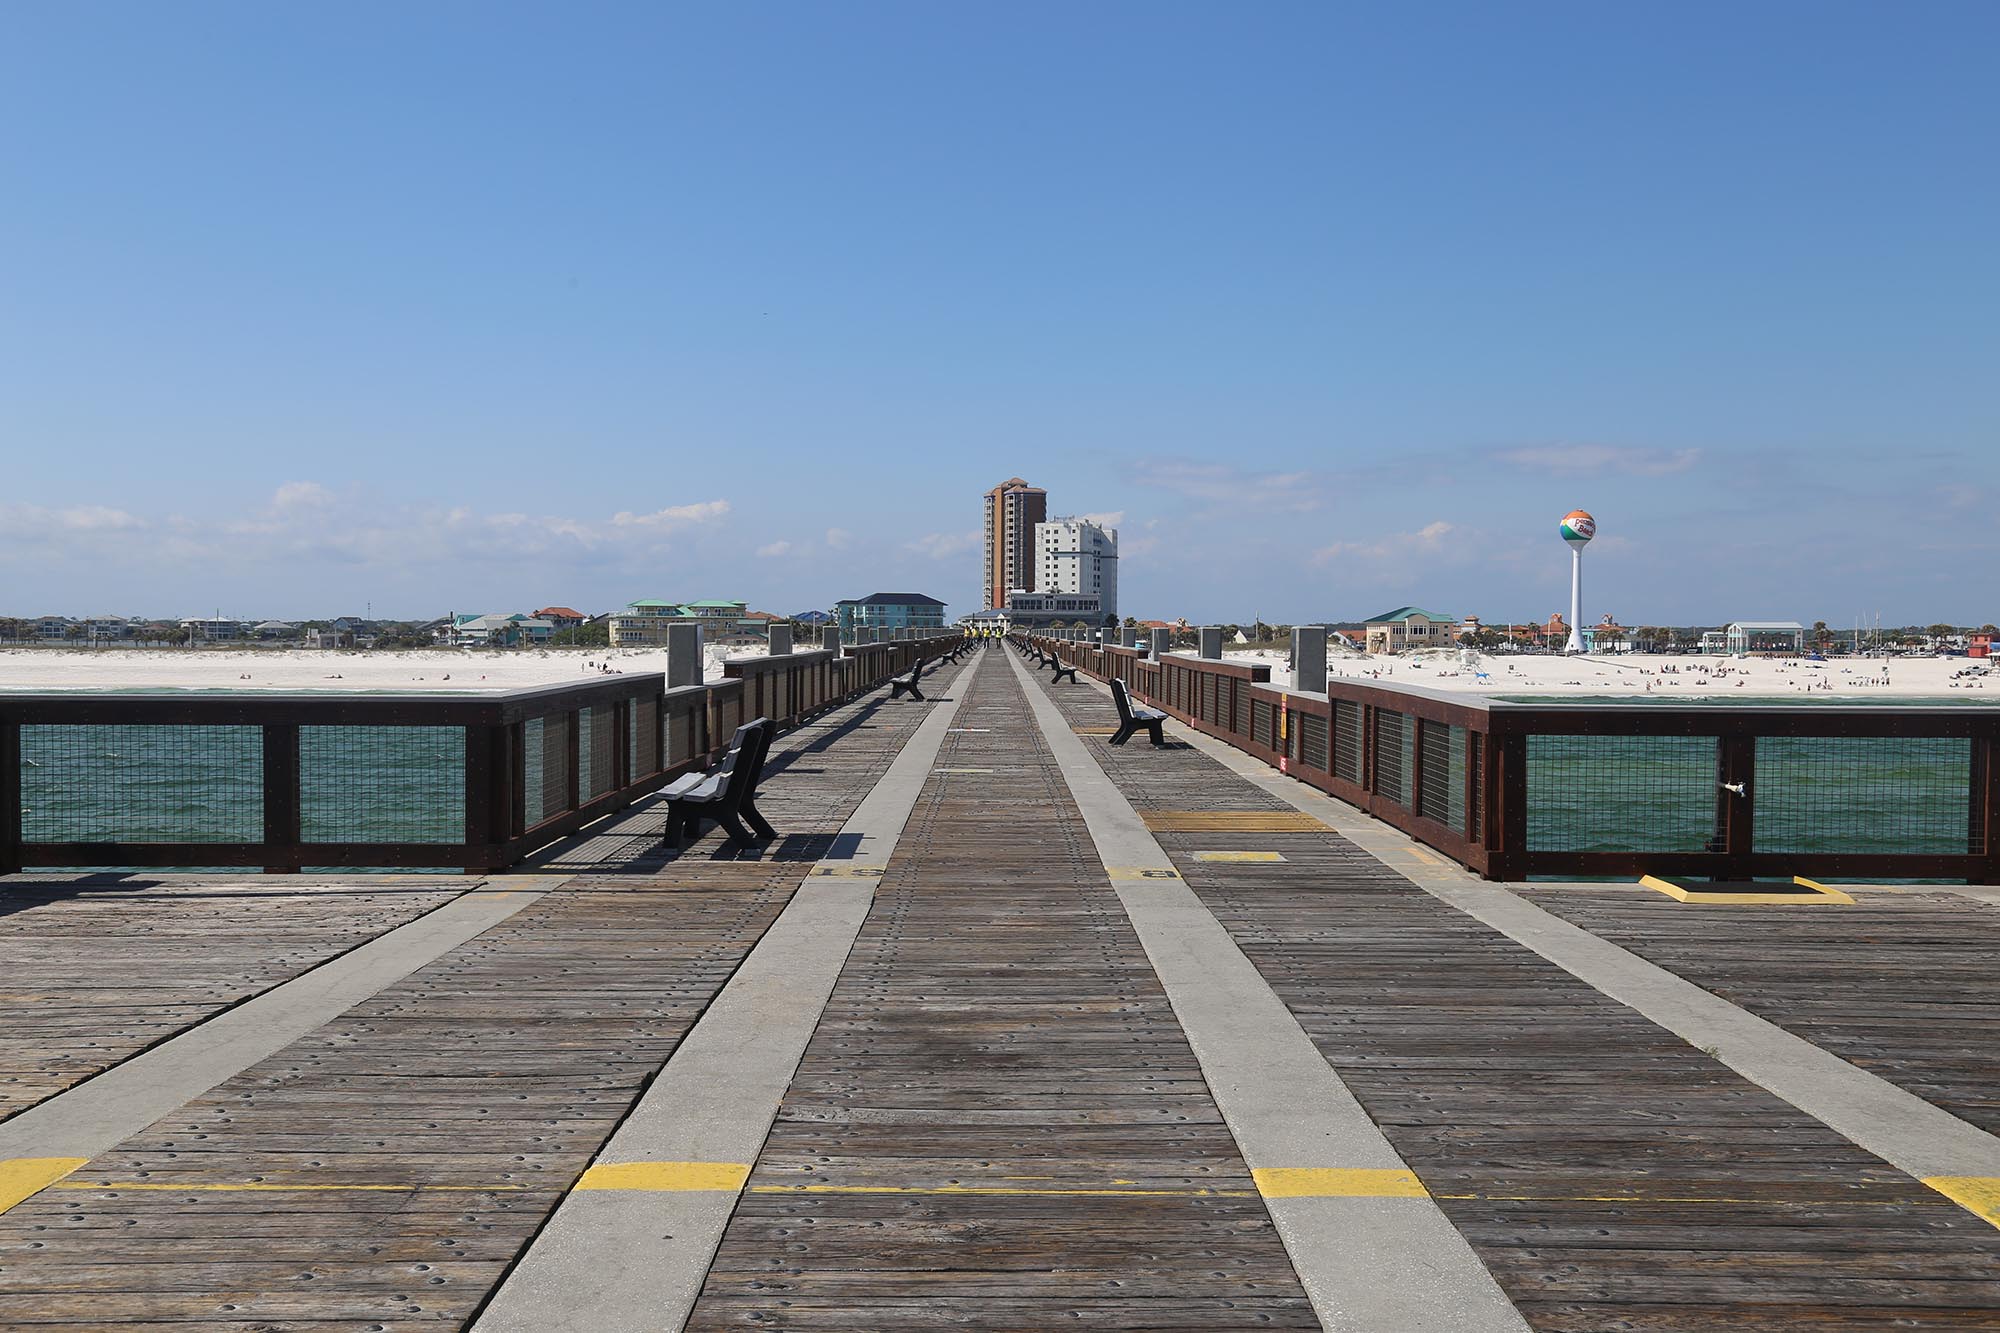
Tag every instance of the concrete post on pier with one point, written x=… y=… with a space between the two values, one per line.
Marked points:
x=683 y=655
x=829 y=639
x=1309 y=659
x=1211 y=642
x=1163 y=642
x=1128 y=636
x=781 y=640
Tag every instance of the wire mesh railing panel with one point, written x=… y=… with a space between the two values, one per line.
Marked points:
x=1621 y=793
x=1240 y=724
x=534 y=769
x=1312 y=741
x=1864 y=794
x=645 y=743
x=1263 y=724
x=1391 y=747
x=141 y=783
x=1209 y=710
x=596 y=756
x=1434 y=766
x=1347 y=740
x=1475 y=764
x=382 y=784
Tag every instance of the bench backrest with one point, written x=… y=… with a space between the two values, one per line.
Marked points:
x=748 y=763
x=738 y=745
x=1123 y=700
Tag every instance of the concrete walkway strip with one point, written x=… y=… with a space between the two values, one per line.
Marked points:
x=630 y=1246
x=1371 y=1247
x=49 y=1140
x=1953 y=1157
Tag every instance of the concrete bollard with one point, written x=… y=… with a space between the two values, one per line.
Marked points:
x=1309 y=659
x=781 y=640
x=1211 y=642
x=683 y=655
x=1128 y=636
x=829 y=638
x=1163 y=640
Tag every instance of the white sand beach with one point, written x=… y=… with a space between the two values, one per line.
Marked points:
x=443 y=670
x=1681 y=677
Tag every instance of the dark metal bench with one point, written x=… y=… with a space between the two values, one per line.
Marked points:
x=1061 y=671
x=902 y=685
x=727 y=794
x=1131 y=718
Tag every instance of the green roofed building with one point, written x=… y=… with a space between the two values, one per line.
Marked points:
x=1409 y=627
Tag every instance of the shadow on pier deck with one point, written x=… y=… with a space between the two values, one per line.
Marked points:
x=1011 y=1030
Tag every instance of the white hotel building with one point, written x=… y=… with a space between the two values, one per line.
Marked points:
x=1076 y=556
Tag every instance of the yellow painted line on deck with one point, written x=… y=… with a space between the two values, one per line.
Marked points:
x=666 y=1177
x=1338 y=1182
x=1231 y=821
x=1424 y=856
x=1141 y=872
x=1194 y=1193
x=24 y=1177
x=1979 y=1195
x=849 y=872
x=1239 y=856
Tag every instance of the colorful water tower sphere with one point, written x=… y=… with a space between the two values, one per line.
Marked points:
x=1578 y=527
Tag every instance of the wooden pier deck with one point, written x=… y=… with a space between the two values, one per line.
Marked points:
x=1011 y=1030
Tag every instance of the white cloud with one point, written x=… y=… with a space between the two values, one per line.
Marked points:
x=304 y=521
x=1109 y=519
x=945 y=545
x=1426 y=540
x=774 y=549
x=1583 y=459
x=838 y=538
x=1220 y=483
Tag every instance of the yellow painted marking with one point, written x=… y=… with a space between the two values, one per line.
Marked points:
x=1238 y=856
x=666 y=1177
x=1979 y=1195
x=1231 y=821
x=1141 y=872
x=1002 y=1189
x=850 y=872
x=1330 y=1182
x=1820 y=894
x=1424 y=856
x=24 y=1177
x=1095 y=731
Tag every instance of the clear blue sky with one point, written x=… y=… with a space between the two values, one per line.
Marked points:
x=483 y=306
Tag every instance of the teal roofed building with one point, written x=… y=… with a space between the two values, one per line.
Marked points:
x=889 y=611
x=1409 y=627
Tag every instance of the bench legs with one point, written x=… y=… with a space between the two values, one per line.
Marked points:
x=1154 y=728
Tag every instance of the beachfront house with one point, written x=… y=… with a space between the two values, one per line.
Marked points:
x=562 y=617
x=500 y=631
x=99 y=629
x=275 y=629
x=51 y=627
x=1408 y=627
x=888 y=611
x=644 y=624
x=202 y=629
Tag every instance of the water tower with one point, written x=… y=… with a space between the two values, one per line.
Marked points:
x=1578 y=528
